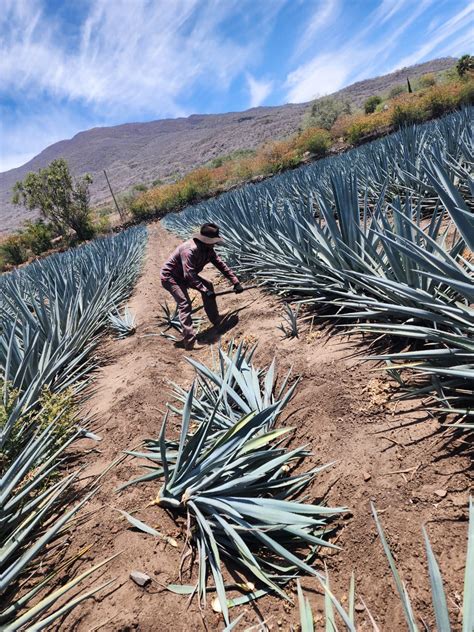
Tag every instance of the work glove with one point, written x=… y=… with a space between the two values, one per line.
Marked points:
x=209 y=294
x=238 y=288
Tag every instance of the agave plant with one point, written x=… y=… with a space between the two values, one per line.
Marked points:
x=235 y=387
x=123 y=324
x=169 y=319
x=289 y=326
x=51 y=314
x=238 y=488
x=436 y=582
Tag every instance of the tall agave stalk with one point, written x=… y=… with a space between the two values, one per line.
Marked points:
x=51 y=314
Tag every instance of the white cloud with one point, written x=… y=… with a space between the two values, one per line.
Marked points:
x=325 y=13
x=259 y=90
x=360 y=57
x=322 y=75
x=127 y=58
x=131 y=55
x=447 y=31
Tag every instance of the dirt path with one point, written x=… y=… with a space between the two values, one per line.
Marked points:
x=340 y=410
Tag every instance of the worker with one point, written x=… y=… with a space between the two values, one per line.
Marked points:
x=181 y=272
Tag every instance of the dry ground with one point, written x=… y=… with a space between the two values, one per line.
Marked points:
x=342 y=410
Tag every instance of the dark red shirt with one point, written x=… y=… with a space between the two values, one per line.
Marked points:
x=188 y=260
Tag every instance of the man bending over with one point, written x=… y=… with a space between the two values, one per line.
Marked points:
x=181 y=272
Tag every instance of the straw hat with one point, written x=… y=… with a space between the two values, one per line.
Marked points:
x=208 y=234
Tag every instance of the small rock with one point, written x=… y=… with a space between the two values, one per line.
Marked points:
x=140 y=578
x=441 y=493
x=367 y=476
x=359 y=607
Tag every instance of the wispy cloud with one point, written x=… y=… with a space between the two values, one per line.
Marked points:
x=68 y=66
x=447 y=31
x=325 y=13
x=146 y=58
x=124 y=60
x=324 y=74
x=360 y=57
x=259 y=90
x=39 y=128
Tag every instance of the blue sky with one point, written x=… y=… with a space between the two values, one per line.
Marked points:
x=69 y=65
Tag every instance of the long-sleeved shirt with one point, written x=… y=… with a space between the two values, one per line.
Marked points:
x=187 y=261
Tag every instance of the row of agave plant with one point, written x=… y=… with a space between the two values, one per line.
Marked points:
x=244 y=495
x=383 y=237
x=51 y=315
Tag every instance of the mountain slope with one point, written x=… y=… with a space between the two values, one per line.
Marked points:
x=141 y=152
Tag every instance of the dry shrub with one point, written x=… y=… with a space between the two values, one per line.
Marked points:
x=13 y=251
x=406 y=109
x=313 y=139
x=358 y=126
x=276 y=156
x=172 y=197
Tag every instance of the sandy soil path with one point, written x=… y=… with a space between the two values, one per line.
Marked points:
x=341 y=410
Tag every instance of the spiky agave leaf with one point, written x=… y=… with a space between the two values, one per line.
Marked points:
x=436 y=583
x=234 y=387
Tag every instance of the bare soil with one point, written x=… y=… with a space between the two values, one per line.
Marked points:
x=343 y=409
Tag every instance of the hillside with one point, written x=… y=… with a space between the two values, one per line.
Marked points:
x=141 y=152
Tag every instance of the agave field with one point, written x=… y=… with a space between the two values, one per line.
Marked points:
x=52 y=313
x=378 y=240
x=380 y=237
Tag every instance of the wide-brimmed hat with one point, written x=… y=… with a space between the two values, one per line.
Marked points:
x=208 y=234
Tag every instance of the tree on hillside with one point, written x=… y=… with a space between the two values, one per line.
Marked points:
x=325 y=111
x=53 y=192
x=465 y=65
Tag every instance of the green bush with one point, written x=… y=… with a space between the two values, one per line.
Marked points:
x=13 y=251
x=59 y=198
x=56 y=410
x=325 y=111
x=37 y=236
x=371 y=104
x=427 y=81
x=466 y=96
x=406 y=114
x=316 y=141
x=465 y=65
x=396 y=91
x=102 y=224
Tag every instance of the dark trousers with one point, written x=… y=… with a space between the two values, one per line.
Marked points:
x=179 y=292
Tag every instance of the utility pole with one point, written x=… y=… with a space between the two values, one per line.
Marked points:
x=120 y=212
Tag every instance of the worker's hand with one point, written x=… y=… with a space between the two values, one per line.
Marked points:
x=238 y=288
x=209 y=294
